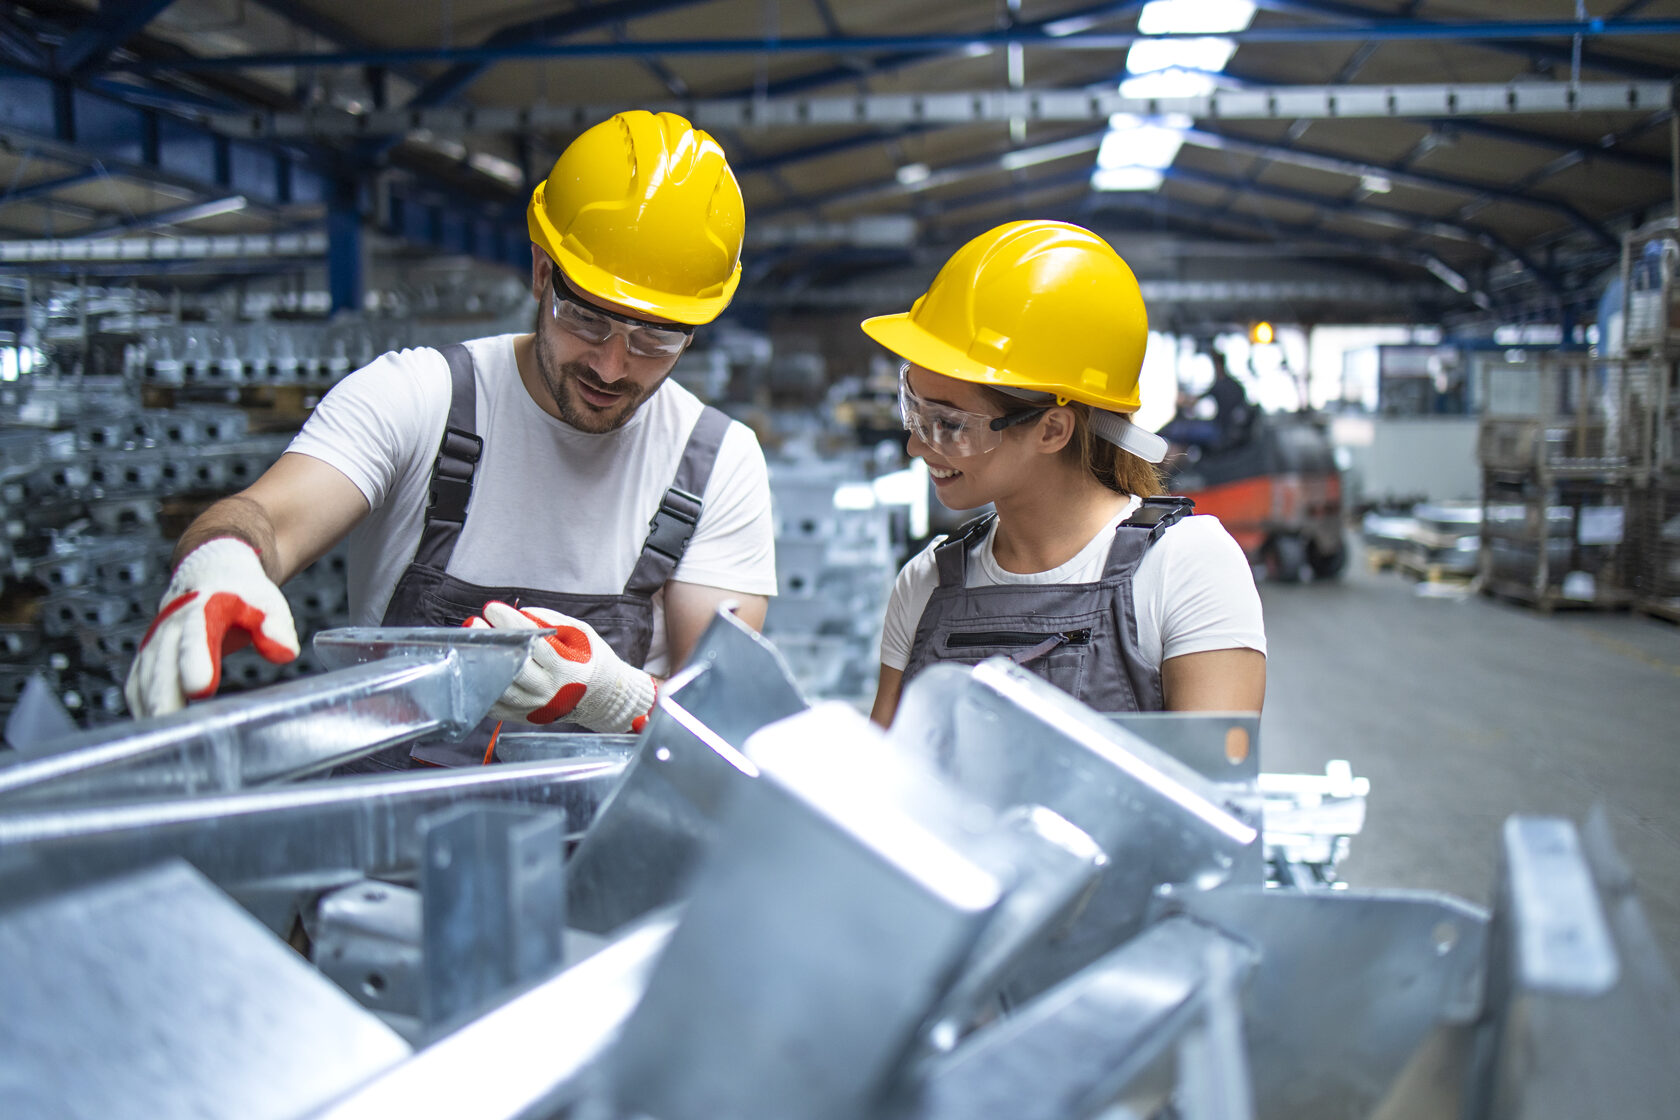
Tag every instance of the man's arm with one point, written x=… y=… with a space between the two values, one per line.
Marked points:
x=690 y=608
x=1216 y=680
x=294 y=513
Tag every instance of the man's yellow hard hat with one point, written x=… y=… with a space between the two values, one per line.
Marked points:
x=642 y=210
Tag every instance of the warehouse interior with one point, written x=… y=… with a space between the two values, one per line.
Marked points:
x=1436 y=242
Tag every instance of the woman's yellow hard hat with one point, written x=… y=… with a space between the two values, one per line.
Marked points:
x=1039 y=305
x=642 y=210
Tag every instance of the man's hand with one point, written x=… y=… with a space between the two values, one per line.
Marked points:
x=572 y=675
x=220 y=600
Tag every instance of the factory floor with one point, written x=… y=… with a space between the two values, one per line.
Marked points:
x=1463 y=710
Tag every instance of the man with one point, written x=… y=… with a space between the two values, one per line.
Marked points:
x=1231 y=419
x=556 y=478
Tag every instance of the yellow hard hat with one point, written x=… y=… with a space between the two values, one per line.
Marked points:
x=643 y=210
x=1039 y=305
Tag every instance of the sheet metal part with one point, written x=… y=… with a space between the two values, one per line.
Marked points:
x=1351 y=989
x=530 y=1057
x=1583 y=1011
x=833 y=908
x=639 y=853
x=365 y=937
x=1078 y=1047
x=1009 y=738
x=494 y=906
x=155 y=995
x=436 y=681
x=311 y=836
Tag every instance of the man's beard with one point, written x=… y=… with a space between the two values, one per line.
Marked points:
x=574 y=410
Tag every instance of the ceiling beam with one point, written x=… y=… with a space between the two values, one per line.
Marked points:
x=115 y=22
x=468 y=66
x=535 y=40
x=1320 y=160
x=1611 y=64
x=47 y=186
x=1379 y=215
x=1439 y=102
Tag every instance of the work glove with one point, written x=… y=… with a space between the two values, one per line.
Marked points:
x=571 y=675
x=219 y=600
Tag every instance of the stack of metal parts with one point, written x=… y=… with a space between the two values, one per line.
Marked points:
x=835 y=563
x=237 y=355
x=86 y=474
x=1009 y=905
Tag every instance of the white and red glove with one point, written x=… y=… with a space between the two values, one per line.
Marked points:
x=219 y=600
x=571 y=675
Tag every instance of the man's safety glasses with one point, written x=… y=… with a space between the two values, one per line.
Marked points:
x=595 y=325
x=954 y=431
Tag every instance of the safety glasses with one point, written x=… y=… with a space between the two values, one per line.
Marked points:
x=595 y=325
x=955 y=432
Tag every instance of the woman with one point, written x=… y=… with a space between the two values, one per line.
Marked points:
x=1020 y=368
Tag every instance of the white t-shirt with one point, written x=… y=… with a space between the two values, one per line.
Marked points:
x=1193 y=590
x=552 y=507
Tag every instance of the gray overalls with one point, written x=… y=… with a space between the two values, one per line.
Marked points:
x=1081 y=637
x=426 y=596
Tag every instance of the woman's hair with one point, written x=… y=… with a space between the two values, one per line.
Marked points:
x=1114 y=467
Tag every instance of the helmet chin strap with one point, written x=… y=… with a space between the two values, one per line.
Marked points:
x=1114 y=427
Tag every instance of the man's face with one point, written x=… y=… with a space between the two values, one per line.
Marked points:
x=595 y=386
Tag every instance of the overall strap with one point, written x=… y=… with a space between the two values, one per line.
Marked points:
x=952 y=555
x=1133 y=536
x=452 y=470
x=679 y=510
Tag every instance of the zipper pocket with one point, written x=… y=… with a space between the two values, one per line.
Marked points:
x=1039 y=644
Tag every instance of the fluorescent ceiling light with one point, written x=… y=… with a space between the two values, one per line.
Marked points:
x=1150 y=55
x=976 y=50
x=1044 y=153
x=1072 y=26
x=1190 y=17
x=497 y=168
x=1446 y=274
x=1376 y=184
x=912 y=173
x=1144 y=146
x=1169 y=83
x=1125 y=179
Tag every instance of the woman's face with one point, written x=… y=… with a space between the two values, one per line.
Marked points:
x=948 y=419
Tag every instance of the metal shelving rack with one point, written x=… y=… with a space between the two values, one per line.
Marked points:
x=1647 y=374
x=1554 y=484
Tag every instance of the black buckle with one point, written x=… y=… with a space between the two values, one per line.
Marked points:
x=452 y=475
x=673 y=525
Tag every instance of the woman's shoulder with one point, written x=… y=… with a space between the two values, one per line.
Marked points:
x=1200 y=536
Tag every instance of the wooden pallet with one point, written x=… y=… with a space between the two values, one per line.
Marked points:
x=1380 y=559
x=1666 y=609
x=1552 y=598
x=1426 y=572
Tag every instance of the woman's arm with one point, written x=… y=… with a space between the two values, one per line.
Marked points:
x=886 y=696
x=1216 y=680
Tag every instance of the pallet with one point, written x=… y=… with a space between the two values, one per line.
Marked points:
x=1552 y=598
x=1666 y=609
x=1380 y=559
x=1433 y=573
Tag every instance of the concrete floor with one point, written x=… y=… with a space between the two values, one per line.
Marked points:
x=1463 y=711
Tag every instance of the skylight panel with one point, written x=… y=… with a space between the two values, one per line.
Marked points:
x=1169 y=83
x=1150 y=55
x=1125 y=179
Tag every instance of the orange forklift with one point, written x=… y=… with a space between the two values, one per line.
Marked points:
x=1278 y=492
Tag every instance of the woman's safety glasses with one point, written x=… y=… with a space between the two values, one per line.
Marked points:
x=595 y=325
x=955 y=431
